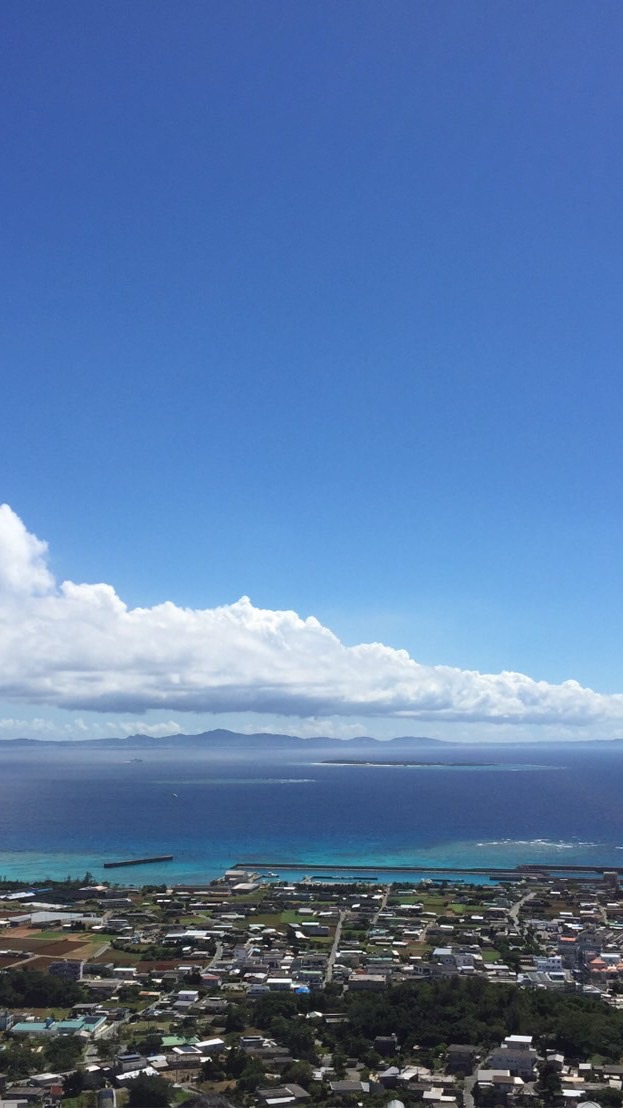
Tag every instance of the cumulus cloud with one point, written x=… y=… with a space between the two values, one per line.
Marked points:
x=78 y=646
x=23 y=567
x=154 y=730
x=26 y=726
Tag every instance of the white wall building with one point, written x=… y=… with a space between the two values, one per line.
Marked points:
x=515 y=1054
x=548 y=964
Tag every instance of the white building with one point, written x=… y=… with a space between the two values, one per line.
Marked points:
x=548 y=964
x=515 y=1054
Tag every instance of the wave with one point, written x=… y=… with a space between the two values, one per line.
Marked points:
x=506 y=767
x=240 y=781
x=544 y=844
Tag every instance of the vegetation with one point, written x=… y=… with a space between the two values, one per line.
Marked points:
x=28 y=988
x=62 y=1052
x=430 y=1013
x=19 y=1059
x=275 y=1013
x=149 y=1092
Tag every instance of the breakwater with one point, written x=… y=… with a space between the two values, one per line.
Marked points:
x=515 y=873
x=139 y=861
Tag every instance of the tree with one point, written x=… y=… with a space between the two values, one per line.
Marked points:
x=298 y=1073
x=73 y=1083
x=148 y=1092
x=251 y=1076
x=63 y=1053
x=19 y=1059
x=27 y=988
x=339 y=1064
x=272 y=1006
x=207 y=1100
x=236 y=1019
x=235 y=1062
x=608 y=1098
x=212 y=1070
x=151 y=1044
x=548 y=1085
x=106 y=1049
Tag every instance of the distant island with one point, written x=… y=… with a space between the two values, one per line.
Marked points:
x=222 y=741
x=221 y=738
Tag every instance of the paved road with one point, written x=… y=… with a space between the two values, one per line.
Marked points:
x=382 y=905
x=338 y=932
x=468 y=1090
x=334 y=949
x=514 y=911
x=218 y=954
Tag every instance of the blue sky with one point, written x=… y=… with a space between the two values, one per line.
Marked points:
x=318 y=304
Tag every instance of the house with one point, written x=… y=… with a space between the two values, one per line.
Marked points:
x=371 y=982
x=517 y=1055
x=279 y=984
x=26 y=1094
x=389 y=1078
x=436 y=1095
x=345 y=1088
x=444 y=955
x=252 y=1042
x=30 y=1094
x=312 y=927
x=460 y=1058
x=129 y=1063
x=211 y=1046
x=283 y=1094
x=502 y=1081
x=386 y=1045
x=551 y=963
x=146 y=1070
x=70 y=969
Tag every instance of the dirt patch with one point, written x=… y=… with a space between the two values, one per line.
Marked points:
x=39 y=964
x=7 y=960
x=147 y=967
x=60 y=948
x=15 y=941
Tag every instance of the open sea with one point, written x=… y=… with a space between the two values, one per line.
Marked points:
x=65 y=810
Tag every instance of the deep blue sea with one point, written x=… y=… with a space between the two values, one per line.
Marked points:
x=67 y=809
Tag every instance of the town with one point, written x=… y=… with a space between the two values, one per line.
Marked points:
x=251 y=990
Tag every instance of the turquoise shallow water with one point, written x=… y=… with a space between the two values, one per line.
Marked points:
x=192 y=866
x=69 y=810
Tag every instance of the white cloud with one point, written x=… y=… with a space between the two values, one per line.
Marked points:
x=78 y=646
x=311 y=728
x=23 y=566
x=155 y=730
x=26 y=726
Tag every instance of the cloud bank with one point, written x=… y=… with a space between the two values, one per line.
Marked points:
x=78 y=646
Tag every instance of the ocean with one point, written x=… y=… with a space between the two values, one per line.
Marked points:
x=66 y=809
